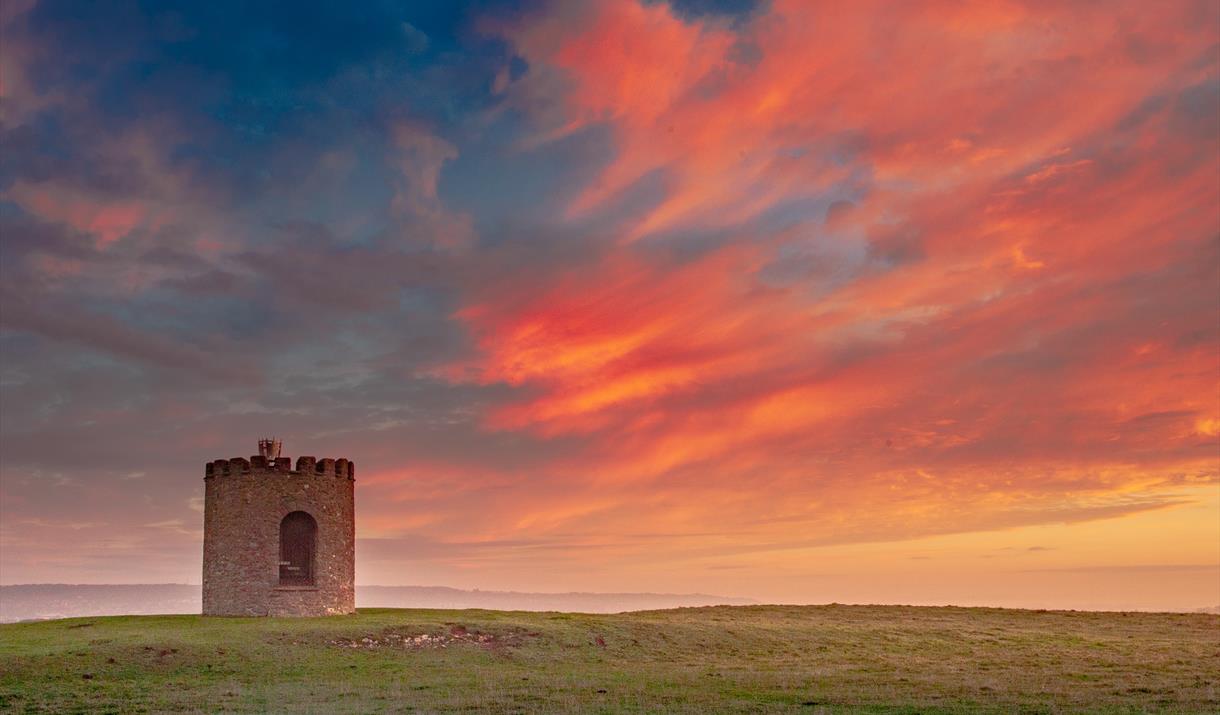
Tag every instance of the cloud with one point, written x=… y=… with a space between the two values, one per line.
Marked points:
x=663 y=282
x=1135 y=569
x=62 y=322
x=421 y=156
x=956 y=337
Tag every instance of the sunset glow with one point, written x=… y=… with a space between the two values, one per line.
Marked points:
x=800 y=302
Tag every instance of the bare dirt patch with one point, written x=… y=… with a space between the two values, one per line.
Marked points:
x=456 y=634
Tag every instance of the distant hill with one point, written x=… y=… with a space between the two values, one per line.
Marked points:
x=58 y=600
x=443 y=597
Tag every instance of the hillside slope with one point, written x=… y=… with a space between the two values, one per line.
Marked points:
x=718 y=659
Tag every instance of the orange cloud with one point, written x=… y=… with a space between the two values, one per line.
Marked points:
x=928 y=92
x=965 y=345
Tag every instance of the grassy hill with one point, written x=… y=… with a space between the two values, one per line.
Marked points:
x=815 y=659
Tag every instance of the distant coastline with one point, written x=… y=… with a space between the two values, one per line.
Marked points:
x=26 y=602
x=36 y=602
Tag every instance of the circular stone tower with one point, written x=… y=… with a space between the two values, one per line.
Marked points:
x=279 y=541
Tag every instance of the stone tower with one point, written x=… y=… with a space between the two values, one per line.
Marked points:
x=278 y=541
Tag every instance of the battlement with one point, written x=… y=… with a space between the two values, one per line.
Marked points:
x=260 y=464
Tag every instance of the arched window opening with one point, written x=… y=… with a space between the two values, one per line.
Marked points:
x=298 y=543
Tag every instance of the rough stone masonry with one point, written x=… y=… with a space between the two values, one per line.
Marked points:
x=279 y=541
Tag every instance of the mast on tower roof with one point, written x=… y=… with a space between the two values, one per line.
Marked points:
x=269 y=447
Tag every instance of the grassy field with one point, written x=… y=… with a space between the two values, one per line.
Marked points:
x=746 y=659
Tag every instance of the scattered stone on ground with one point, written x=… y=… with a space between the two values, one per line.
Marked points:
x=422 y=641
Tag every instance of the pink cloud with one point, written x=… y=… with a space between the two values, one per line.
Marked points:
x=1005 y=340
x=104 y=221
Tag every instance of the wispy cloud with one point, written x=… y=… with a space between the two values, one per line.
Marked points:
x=751 y=283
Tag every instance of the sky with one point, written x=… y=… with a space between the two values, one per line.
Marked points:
x=804 y=302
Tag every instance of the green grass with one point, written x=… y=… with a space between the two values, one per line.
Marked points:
x=747 y=659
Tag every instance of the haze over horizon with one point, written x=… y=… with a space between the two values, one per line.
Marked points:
x=858 y=302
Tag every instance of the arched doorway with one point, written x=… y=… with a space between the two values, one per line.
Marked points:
x=298 y=544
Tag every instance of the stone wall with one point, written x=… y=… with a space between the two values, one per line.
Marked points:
x=244 y=503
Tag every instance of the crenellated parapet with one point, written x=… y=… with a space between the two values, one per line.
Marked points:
x=305 y=466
